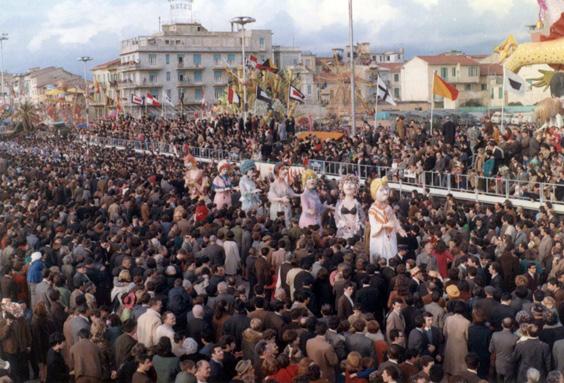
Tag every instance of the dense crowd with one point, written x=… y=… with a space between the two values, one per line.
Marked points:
x=111 y=272
x=465 y=152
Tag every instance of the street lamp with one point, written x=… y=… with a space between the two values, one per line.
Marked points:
x=84 y=60
x=353 y=84
x=242 y=21
x=3 y=36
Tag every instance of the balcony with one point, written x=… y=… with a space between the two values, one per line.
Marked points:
x=188 y=84
x=186 y=66
x=133 y=66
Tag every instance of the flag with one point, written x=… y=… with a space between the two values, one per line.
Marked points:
x=152 y=101
x=232 y=96
x=444 y=89
x=252 y=62
x=267 y=66
x=182 y=98
x=137 y=100
x=514 y=82
x=506 y=47
x=382 y=92
x=263 y=95
x=168 y=101
x=296 y=95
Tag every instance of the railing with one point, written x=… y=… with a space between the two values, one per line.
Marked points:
x=467 y=183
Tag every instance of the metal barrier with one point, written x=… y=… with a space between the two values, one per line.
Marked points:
x=467 y=183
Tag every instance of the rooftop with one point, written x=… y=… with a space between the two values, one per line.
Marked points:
x=108 y=64
x=449 y=59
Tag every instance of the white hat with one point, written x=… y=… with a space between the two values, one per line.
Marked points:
x=222 y=164
x=190 y=346
x=36 y=256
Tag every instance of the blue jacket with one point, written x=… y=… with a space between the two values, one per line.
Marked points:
x=34 y=273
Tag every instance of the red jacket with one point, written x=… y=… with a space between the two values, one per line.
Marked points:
x=443 y=260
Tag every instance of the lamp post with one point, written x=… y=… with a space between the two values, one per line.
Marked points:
x=84 y=60
x=242 y=21
x=353 y=84
x=3 y=36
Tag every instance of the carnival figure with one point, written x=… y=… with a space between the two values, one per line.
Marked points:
x=384 y=225
x=279 y=194
x=349 y=216
x=222 y=186
x=312 y=208
x=195 y=180
x=250 y=194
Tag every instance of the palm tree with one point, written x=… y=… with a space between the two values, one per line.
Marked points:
x=26 y=116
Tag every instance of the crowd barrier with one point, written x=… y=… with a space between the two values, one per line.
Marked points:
x=530 y=195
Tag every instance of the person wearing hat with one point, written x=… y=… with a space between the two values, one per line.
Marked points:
x=222 y=186
x=456 y=333
x=35 y=275
x=279 y=194
x=245 y=372
x=250 y=194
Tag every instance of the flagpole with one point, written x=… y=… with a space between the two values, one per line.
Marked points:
x=503 y=100
x=432 y=100
x=376 y=108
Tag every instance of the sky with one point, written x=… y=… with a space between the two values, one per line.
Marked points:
x=57 y=32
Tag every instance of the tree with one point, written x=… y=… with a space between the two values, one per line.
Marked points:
x=26 y=116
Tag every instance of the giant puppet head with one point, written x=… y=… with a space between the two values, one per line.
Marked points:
x=190 y=162
x=309 y=179
x=248 y=167
x=349 y=185
x=379 y=189
x=223 y=167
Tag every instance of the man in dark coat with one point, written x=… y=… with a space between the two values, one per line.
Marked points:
x=368 y=298
x=531 y=353
x=57 y=370
x=449 y=131
x=125 y=342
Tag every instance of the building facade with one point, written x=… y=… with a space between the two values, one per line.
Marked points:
x=185 y=63
x=105 y=93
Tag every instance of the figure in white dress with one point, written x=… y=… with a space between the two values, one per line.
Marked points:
x=349 y=216
x=384 y=225
x=312 y=208
x=250 y=194
x=222 y=186
x=279 y=194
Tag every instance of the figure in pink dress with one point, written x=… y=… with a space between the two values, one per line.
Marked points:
x=279 y=194
x=222 y=186
x=349 y=216
x=312 y=208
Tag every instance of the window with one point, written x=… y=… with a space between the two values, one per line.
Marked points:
x=444 y=73
x=231 y=58
x=153 y=77
x=219 y=92
x=492 y=94
x=396 y=77
x=167 y=76
x=467 y=87
x=180 y=59
x=152 y=58
x=180 y=95
x=198 y=76
x=309 y=89
x=500 y=93
x=216 y=58
x=217 y=75
x=261 y=42
x=198 y=94
x=167 y=59
x=155 y=92
x=197 y=59
x=396 y=93
x=484 y=87
x=453 y=71
x=473 y=71
x=180 y=77
x=169 y=94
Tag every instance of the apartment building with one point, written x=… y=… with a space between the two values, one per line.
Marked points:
x=105 y=92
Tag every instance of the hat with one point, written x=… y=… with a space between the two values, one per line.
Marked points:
x=402 y=246
x=415 y=271
x=266 y=238
x=278 y=167
x=81 y=264
x=170 y=270
x=247 y=165
x=35 y=256
x=129 y=300
x=4 y=365
x=434 y=274
x=490 y=290
x=223 y=164
x=453 y=292
x=243 y=366
x=186 y=284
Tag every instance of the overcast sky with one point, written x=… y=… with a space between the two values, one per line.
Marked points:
x=56 y=32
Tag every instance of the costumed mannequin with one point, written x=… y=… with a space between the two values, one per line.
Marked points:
x=312 y=208
x=222 y=187
x=195 y=180
x=384 y=224
x=279 y=194
x=250 y=194
x=349 y=216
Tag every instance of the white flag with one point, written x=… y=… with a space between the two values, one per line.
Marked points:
x=383 y=93
x=514 y=82
x=168 y=101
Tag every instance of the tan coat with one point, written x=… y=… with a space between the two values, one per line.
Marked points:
x=323 y=354
x=86 y=361
x=456 y=334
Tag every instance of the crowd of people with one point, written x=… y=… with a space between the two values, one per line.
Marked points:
x=112 y=272
x=411 y=150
